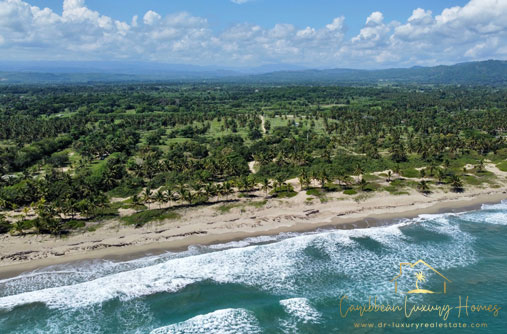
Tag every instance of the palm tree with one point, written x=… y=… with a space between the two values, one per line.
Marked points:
x=17 y=227
x=3 y=203
x=441 y=175
x=304 y=180
x=363 y=184
x=480 y=166
x=280 y=181
x=423 y=187
x=146 y=196
x=250 y=183
x=160 y=197
x=359 y=172
x=227 y=189
x=323 y=177
x=210 y=190
x=397 y=170
x=432 y=169
x=456 y=184
x=447 y=163
x=136 y=200
x=266 y=184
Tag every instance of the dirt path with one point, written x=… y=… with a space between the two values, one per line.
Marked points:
x=262 y=125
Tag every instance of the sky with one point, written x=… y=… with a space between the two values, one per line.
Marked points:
x=242 y=33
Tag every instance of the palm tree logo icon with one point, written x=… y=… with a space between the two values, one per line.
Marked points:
x=419 y=278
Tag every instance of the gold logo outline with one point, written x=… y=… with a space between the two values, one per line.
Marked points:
x=412 y=265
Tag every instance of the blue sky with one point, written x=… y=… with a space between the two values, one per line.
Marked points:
x=230 y=33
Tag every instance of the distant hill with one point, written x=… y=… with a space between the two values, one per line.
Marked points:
x=490 y=72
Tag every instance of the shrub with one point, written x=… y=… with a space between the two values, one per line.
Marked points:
x=5 y=226
x=285 y=194
x=59 y=159
x=313 y=192
x=74 y=224
x=350 y=192
x=125 y=190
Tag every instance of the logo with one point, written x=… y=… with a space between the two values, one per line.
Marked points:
x=419 y=277
x=413 y=279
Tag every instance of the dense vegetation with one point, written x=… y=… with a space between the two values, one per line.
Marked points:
x=66 y=151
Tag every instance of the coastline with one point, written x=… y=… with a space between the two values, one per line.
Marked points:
x=372 y=212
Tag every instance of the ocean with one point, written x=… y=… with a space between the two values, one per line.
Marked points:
x=327 y=281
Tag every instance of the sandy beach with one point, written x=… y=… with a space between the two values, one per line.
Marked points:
x=208 y=225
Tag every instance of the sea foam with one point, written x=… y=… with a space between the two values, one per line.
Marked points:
x=283 y=267
x=226 y=321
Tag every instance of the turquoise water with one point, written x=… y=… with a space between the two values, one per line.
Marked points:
x=290 y=283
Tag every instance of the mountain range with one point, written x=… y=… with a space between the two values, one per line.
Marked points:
x=489 y=72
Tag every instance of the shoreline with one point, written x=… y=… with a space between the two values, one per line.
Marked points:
x=365 y=217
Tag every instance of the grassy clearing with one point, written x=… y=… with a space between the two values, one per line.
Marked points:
x=502 y=166
x=257 y=204
x=320 y=193
x=141 y=218
x=372 y=178
x=226 y=208
x=471 y=180
x=284 y=194
x=397 y=187
x=410 y=172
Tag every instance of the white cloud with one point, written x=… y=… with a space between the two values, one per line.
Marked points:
x=337 y=24
x=478 y=30
x=240 y=2
x=151 y=17
x=374 y=33
x=374 y=19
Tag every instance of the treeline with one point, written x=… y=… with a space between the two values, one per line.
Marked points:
x=66 y=150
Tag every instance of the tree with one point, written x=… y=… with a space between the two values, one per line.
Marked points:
x=323 y=177
x=480 y=166
x=456 y=184
x=146 y=196
x=359 y=172
x=397 y=170
x=210 y=190
x=398 y=152
x=266 y=185
x=136 y=200
x=267 y=125
x=254 y=134
x=160 y=197
x=423 y=187
x=441 y=175
x=364 y=185
x=5 y=226
x=46 y=221
x=304 y=180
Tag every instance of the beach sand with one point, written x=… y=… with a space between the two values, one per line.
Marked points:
x=207 y=225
